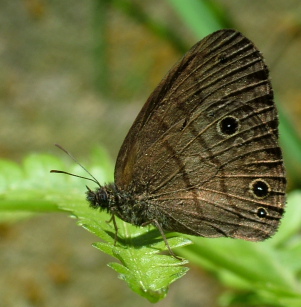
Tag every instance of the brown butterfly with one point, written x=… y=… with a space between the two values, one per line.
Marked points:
x=202 y=157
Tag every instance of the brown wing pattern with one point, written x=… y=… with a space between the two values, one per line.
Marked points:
x=178 y=158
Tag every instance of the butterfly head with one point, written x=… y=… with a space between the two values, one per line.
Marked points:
x=98 y=198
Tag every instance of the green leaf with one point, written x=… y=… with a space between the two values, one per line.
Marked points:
x=147 y=272
x=32 y=188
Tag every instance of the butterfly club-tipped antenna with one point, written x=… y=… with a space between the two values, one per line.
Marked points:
x=93 y=179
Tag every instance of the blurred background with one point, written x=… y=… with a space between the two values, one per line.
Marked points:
x=77 y=73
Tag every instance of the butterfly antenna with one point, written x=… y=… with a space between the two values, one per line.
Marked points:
x=63 y=172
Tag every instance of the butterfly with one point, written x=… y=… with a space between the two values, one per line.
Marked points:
x=202 y=157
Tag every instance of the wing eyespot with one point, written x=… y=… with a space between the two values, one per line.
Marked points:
x=261 y=212
x=228 y=126
x=259 y=188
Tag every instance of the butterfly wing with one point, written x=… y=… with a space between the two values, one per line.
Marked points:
x=203 y=152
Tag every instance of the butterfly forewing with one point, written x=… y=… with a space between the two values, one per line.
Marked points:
x=204 y=151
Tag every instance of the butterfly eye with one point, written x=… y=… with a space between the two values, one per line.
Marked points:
x=261 y=212
x=228 y=126
x=260 y=188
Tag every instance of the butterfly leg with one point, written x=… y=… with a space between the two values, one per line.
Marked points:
x=163 y=236
x=112 y=219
